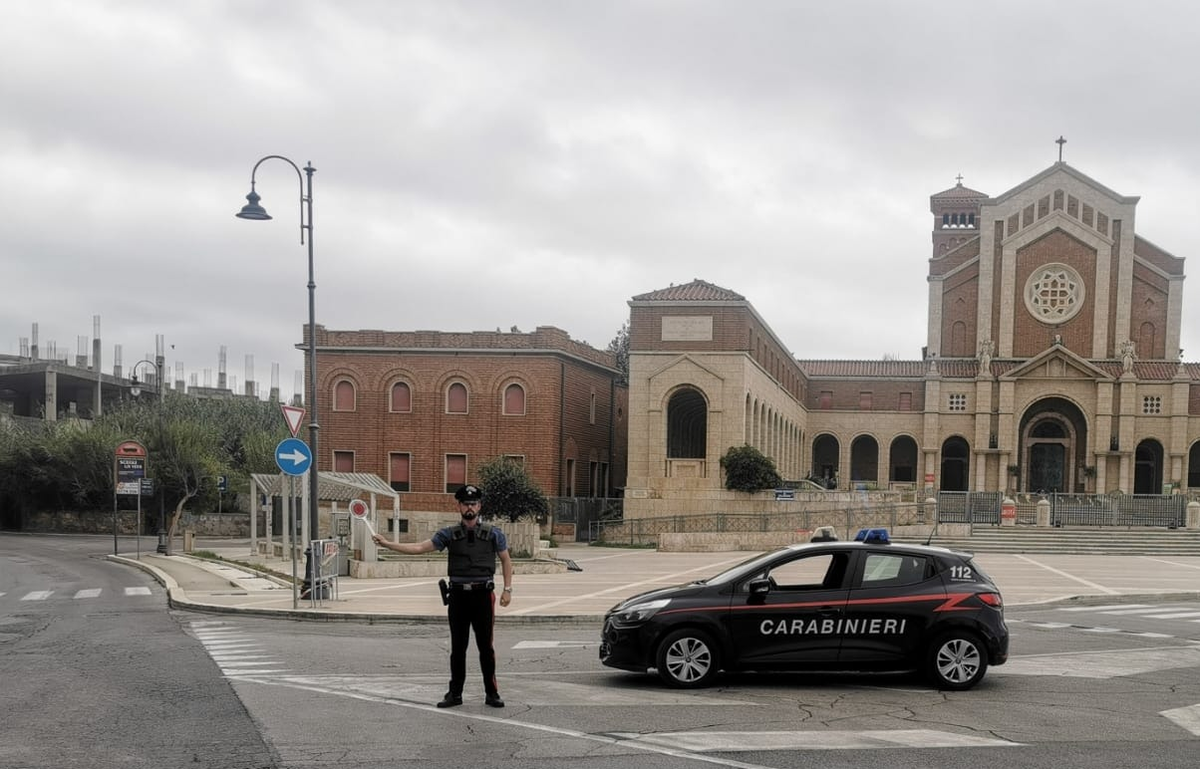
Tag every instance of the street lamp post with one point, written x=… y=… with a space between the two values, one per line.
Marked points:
x=252 y=210
x=136 y=390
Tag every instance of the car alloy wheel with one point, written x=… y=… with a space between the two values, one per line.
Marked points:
x=687 y=659
x=957 y=661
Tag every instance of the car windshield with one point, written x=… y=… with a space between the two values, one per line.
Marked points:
x=747 y=566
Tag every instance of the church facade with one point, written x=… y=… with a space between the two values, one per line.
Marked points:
x=1051 y=363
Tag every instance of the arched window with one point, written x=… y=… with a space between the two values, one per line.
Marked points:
x=401 y=397
x=958 y=339
x=456 y=398
x=1146 y=342
x=514 y=400
x=343 y=396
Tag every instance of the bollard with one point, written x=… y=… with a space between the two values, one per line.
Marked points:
x=1193 y=515
x=1043 y=512
x=1008 y=512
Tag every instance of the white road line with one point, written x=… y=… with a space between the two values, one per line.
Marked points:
x=1177 y=615
x=729 y=742
x=1149 y=610
x=1107 y=607
x=38 y=595
x=89 y=593
x=1187 y=718
x=669 y=579
x=1101 y=664
x=137 y=591
x=1173 y=563
x=1102 y=630
x=551 y=644
x=571 y=733
x=1062 y=573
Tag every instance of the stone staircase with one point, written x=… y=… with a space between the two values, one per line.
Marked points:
x=1075 y=540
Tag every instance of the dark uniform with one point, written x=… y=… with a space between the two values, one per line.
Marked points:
x=472 y=551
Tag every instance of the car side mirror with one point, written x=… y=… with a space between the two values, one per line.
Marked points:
x=760 y=586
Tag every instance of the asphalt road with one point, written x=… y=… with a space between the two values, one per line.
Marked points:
x=1108 y=683
x=105 y=675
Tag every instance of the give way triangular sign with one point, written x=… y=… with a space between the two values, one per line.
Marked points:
x=293 y=415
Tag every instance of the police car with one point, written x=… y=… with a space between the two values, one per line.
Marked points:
x=865 y=605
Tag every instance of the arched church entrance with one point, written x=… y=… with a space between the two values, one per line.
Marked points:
x=956 y=462
x=1148 y=467
x=1053 y=447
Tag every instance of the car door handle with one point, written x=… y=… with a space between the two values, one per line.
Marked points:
x=829 y=611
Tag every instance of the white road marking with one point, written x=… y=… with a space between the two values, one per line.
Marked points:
x=1101 y=664
x=89 y=593
x=137 y=591
x=38 y=595
x=1106 y=607
x=669 y=579
x=730 y=742
x=1177 y=615
x=552 y=644
x=1188 y=718
x=1061 y=573
x=1150 y=610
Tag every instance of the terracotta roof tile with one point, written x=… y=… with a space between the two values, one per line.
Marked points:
x=958 y=191
x=968 y=368
x=696 y=291
x=864 y=368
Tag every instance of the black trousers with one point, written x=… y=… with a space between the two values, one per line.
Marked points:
x=472 y=610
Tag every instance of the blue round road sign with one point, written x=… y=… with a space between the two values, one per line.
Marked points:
x=292 y=456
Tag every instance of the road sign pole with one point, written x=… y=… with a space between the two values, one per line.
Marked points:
x=292 y=529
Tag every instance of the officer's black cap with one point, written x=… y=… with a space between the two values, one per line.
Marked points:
x=468 y=493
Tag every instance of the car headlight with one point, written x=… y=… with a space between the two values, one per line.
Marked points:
x=638 y=613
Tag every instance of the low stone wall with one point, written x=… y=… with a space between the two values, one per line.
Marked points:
x=719 y=543
x=429 y=566
x=705 y=542
x=101 y=522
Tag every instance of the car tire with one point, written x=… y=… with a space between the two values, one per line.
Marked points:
x=956 y=660
x=687 y=659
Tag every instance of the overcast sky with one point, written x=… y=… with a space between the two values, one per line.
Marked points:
x=487 y=165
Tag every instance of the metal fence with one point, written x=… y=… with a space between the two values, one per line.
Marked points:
x=584 y=512
x=1115 y=509
x=645 y=531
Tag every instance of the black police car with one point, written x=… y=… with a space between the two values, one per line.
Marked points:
x=849 y=606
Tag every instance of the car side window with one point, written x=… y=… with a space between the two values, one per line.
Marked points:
x=893 y=570
x=822 y=571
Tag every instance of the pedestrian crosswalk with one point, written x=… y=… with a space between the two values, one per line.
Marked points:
x=77 y=595
x=235 y=652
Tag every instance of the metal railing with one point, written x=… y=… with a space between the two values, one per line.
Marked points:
x=582 y=512
x=975 y=507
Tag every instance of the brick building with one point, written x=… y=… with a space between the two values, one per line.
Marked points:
x=1051 y=362
x=423 y=409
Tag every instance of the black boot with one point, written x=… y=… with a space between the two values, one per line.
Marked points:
x=451 y=700
x=493 y=700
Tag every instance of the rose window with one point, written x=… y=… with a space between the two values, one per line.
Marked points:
x=1054 y=293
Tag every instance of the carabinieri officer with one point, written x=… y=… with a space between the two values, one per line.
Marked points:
x=473 y=548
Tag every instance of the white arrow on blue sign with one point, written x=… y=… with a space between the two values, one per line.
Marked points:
x=292 y=456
